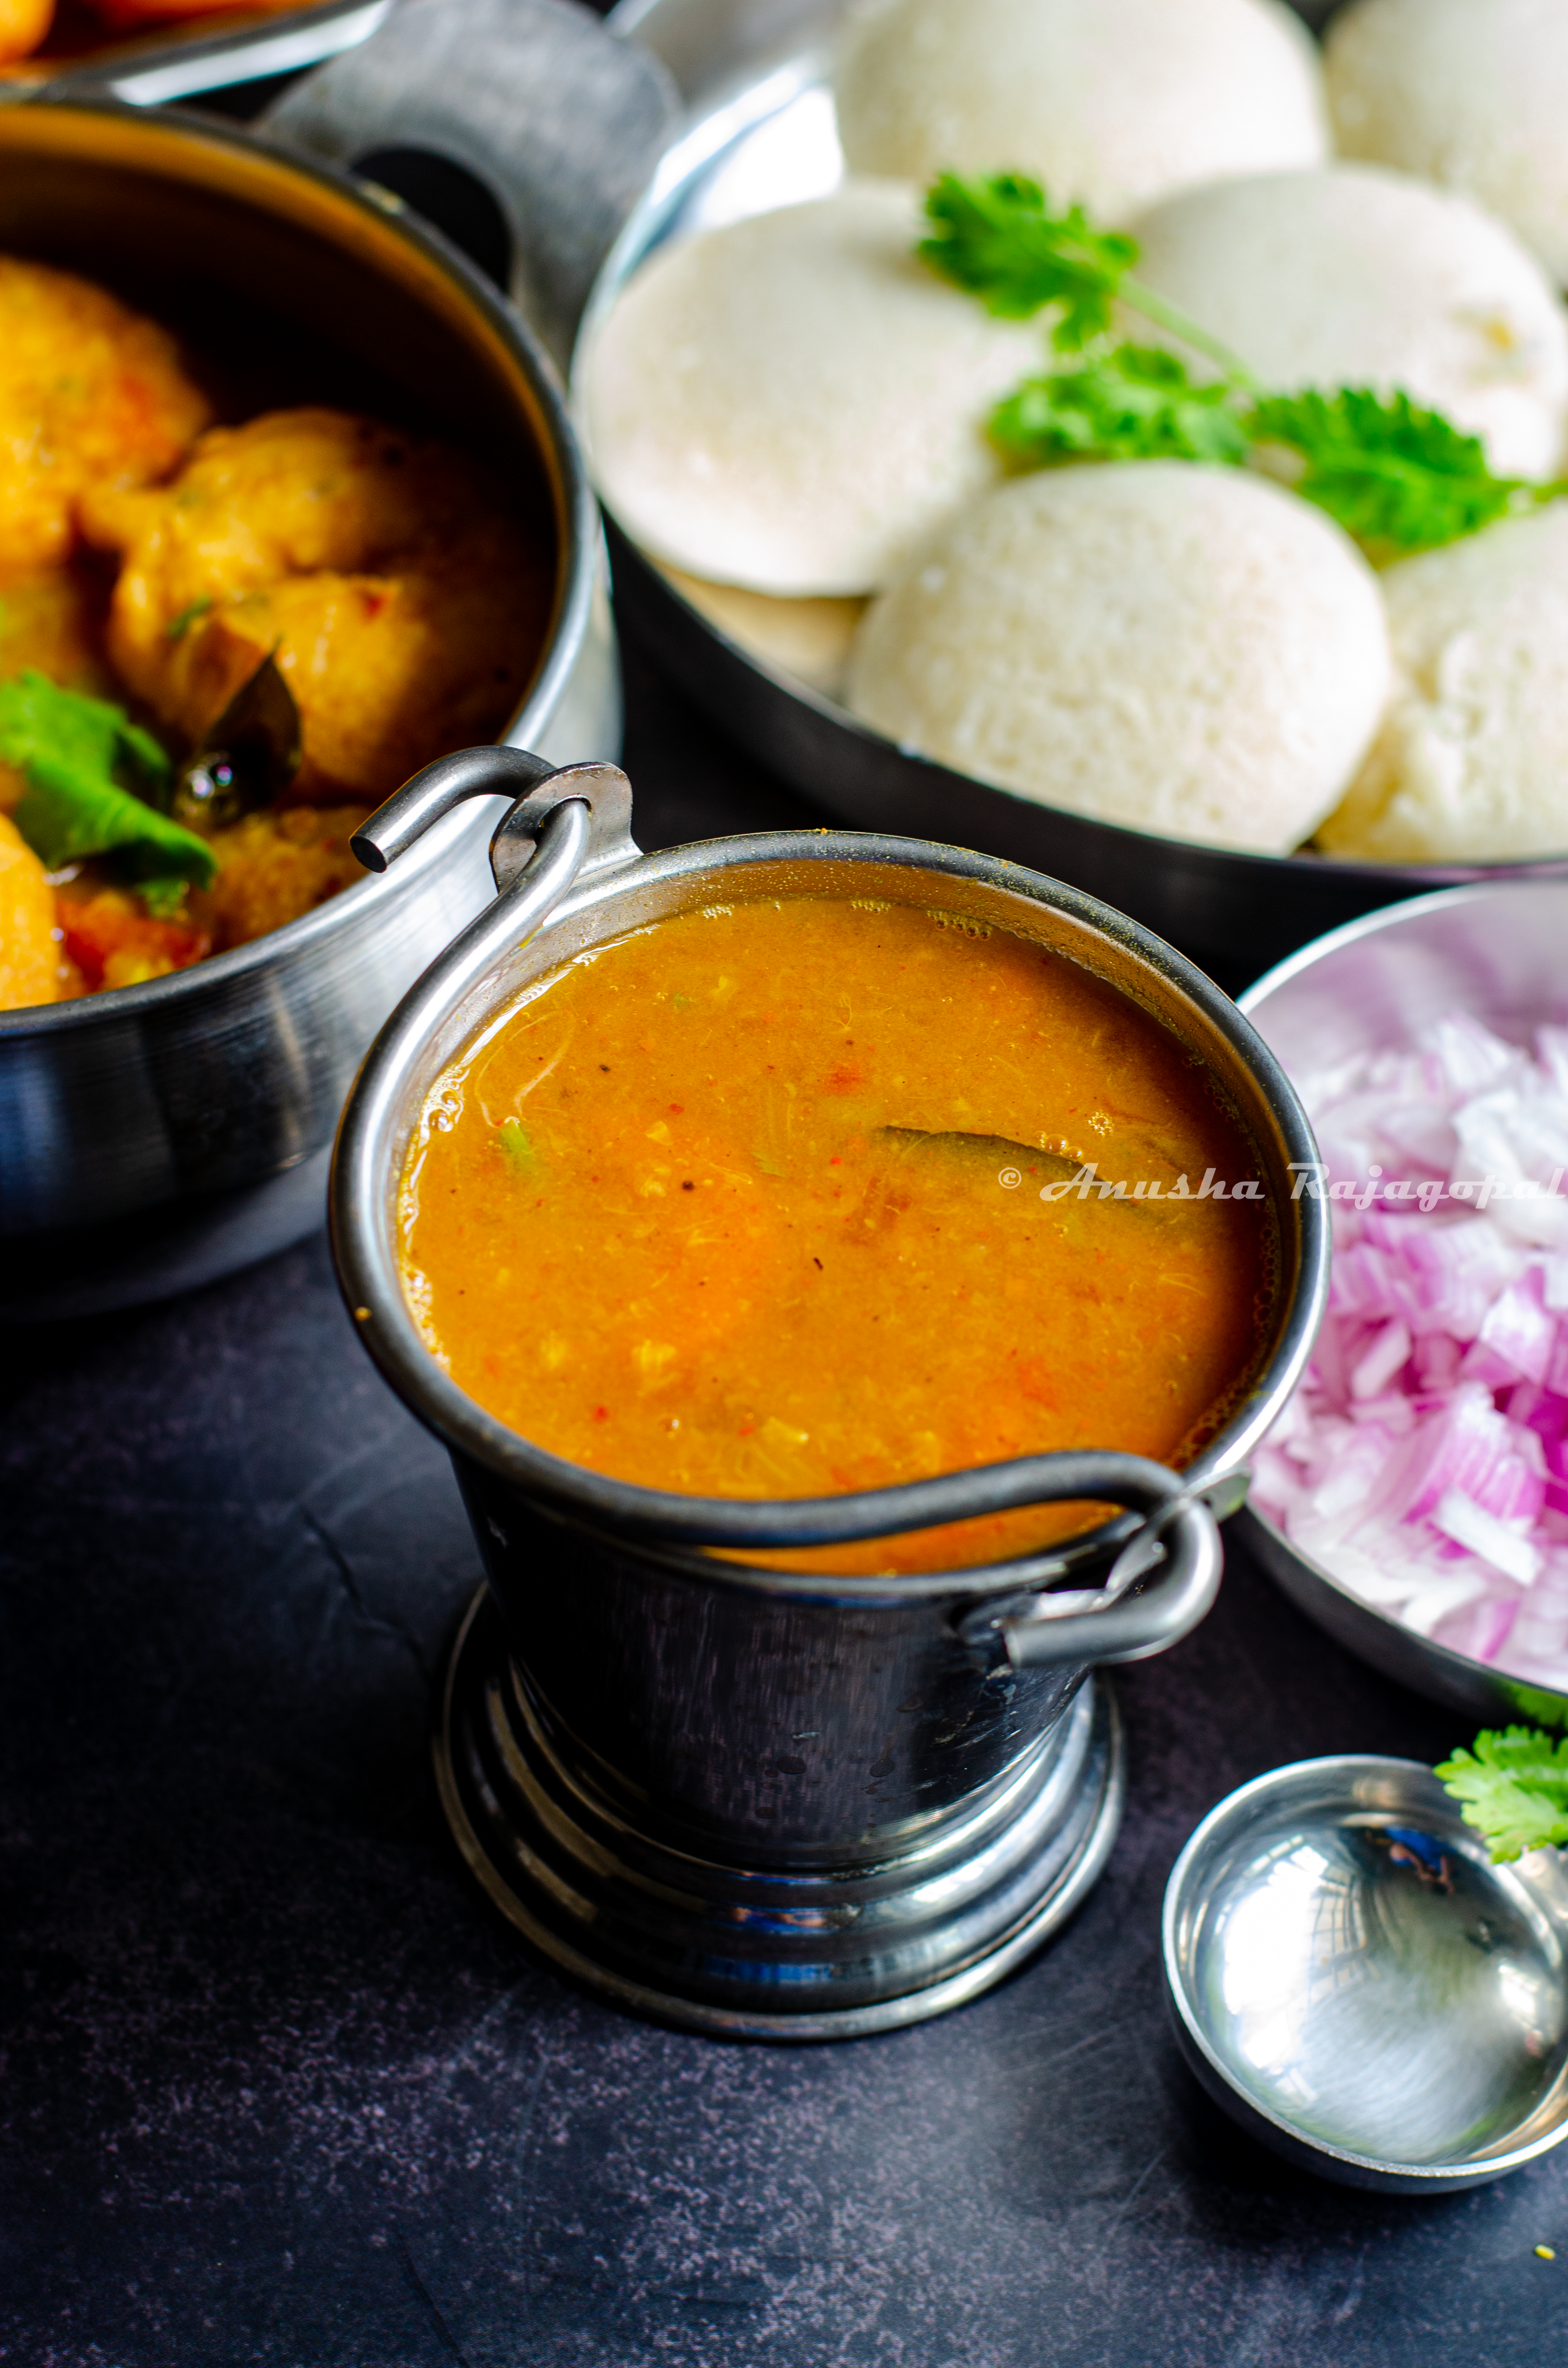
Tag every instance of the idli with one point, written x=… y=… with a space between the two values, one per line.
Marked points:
x=793 y=402
x=1358 y=276
x=1184 y=649
x=1112 y=102
x=1471 y=93
x=1472 y=763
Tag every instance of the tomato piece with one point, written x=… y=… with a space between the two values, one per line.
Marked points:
x=114 y=943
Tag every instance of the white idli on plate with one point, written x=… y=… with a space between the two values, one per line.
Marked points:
x=1471 y=93
x=1359 y=276
x=794 y=401
x=1472 y=763
x=1181 y=649
x=1111 y=102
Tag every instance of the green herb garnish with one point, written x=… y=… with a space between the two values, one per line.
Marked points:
x=515 y=1148
x=1135 y=403
x=1514 y=1789
x=1399 y=478
x=996 y=237
x=73 y=752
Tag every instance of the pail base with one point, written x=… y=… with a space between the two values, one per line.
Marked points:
x=720 y=1948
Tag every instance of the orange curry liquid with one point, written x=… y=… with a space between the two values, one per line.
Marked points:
x=649 y=1221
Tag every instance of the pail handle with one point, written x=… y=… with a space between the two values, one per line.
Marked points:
x=1111 y=1624
x=566 y=823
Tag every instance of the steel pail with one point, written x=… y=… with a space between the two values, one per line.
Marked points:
x=752 y=1799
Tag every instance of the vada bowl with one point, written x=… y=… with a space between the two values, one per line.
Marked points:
x=698 y=1747
x=161 y=1134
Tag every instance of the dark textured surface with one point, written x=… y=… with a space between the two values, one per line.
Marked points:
x=278 y=2089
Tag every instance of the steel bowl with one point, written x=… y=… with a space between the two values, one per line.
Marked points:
x=774 y=1802
x=760 y=134
x=1497 y=952
x=1354 y=1981
x=161 y=1134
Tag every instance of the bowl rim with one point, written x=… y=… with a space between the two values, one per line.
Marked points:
x=1418 y=1648
x=1301 y=2145
x=363 y=1228
x=187 y=56
x=1501 y=879
x=577 y=529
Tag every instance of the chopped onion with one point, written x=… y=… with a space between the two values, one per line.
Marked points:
x=1424 y=1459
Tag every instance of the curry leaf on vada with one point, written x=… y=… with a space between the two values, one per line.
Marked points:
x=80 y=758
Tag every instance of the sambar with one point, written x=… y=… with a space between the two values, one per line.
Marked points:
x=816 y=1194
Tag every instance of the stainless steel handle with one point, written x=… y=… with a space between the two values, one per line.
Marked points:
x=1177 y=1536
x=409 y=812
x=535 y=788
x=515 y=917
x=1044 y=1630
x=568 y=820
x=562 y=121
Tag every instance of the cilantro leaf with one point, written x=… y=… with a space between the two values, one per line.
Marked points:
x=1514 y=1789
x=995 y=236
x=1132 y=402
x=70 y=750
x=1398 y=478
